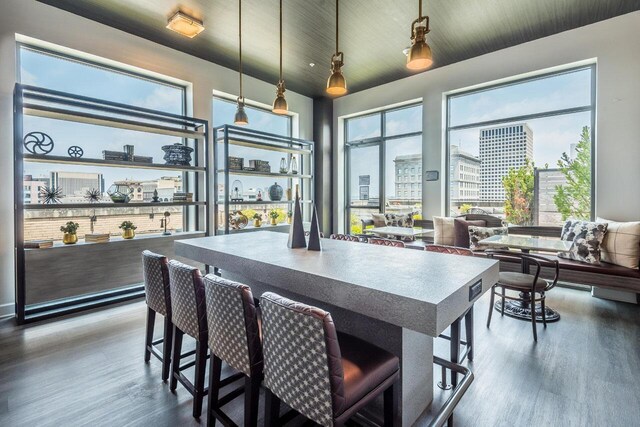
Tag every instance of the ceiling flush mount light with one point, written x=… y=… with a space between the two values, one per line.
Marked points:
x=337 y=85
x=280 y=103
x=185 y=25
x=419 y=57
x=241 y=116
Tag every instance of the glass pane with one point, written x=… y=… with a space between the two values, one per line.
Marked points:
x=356 y=215
x=481 y=158
x=363 y=127
x=364 y=176
x=560 y=91
x=265 y=121
x=66 y=75
x=403 y=175
x=404 y=120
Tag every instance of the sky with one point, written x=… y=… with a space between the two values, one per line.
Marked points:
x=551 y=136
x=60 y=74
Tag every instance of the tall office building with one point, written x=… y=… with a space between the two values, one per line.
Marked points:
x=465 y=177
x=408 y=177
x=502 y=148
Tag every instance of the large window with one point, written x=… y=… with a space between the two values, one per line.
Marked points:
x=265 y=121
x=59 y=72
x=384 y=164
x=524 y=150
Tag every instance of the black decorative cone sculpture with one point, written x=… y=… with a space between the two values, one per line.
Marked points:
x=314 y=233
x=296 y=231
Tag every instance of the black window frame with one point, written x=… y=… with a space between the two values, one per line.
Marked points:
x=591 y=107
x=381 y=142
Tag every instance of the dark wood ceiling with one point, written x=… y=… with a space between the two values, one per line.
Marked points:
x=373 y=33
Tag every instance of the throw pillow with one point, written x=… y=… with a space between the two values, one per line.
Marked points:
x=461 y=231
x=476 y=234
x=443 y=230
x=378 y=220
x=621 y=243
x=587 y=241
x=567 y=230
x=398 y=220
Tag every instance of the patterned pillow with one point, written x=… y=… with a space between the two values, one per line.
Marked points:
x=587 y=241
x=567 y=230
x=397 y=220
x=476 y=234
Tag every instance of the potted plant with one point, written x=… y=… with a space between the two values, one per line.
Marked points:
x=70 y=231
x=257 y=220
x=128 y=230
x=273 y=216
x=289 y=216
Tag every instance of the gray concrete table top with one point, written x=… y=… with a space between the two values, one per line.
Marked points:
x=421 y=291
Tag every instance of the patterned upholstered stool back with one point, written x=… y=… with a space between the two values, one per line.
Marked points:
x=156 y=282
x=346 y=237
x=233 y=324
x=386 y=242
x=448 y=250
x=302 y=361
x=188 y=305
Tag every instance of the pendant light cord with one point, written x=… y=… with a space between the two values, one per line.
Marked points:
x=280 y=40
x=419 y=9
x=240 y=41
x=337 y=11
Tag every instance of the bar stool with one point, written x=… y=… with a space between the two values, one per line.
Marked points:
x=324 y=375
x=454 y=339
x=347 y=237
x=189 y=316
x=386 y=242
x=234 y=337
x=157 y=295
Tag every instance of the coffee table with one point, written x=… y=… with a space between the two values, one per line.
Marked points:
x=522 y=309
x=400 y=231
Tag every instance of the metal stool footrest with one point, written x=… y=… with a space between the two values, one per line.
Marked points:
x=446 y=411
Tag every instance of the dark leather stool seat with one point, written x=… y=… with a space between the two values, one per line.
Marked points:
x=365 y=368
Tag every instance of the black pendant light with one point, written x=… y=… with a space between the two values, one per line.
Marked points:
x=336 y=84
x=280 y=103
x=419 y=57
x=241 y=118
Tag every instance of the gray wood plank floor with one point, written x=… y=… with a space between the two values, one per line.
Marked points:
x=87 y=369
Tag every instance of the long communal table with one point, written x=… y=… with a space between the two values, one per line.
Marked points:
x=397 y=299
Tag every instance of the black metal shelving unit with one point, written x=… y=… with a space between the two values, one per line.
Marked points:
x=56 y=105
x=225 y=139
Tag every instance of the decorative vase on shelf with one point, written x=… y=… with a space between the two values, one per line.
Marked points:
x=315 y=244
x=274 y=221
x=70 y=238
x=275 y=192
x=120 y=193
x=284 y=168
x=296 y=231
x=128 y=233
x=177 y=154
x=257 y=222
x=289 y=194
x=294 y=166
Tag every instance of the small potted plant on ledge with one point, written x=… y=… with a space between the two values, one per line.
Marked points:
x=257 y=219
x=289 y=216
x=128 y=230
x=273 y=216
x=70 y=231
